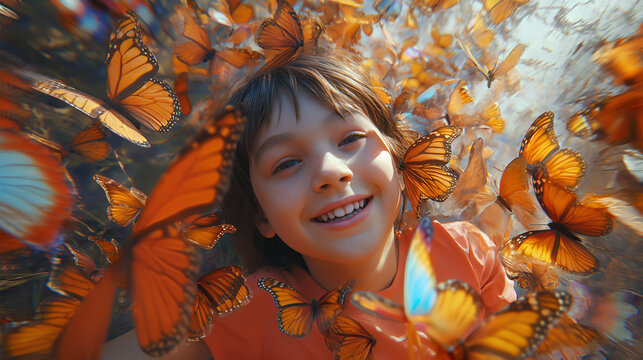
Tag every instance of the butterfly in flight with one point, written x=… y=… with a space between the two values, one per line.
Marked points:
x=444 y=311
x=348 y=340
x=424 y=166
x=499 y=10
x=90 y=144
x=499 y=69
x=72 y=281
x=540 y=145
x=36 y=198
x=560 y=245
x=155 y=260
x=205 y=230
x=512 y=196
x=132 y=90
x=124 y=204
x=195 y=47
x=220 y=291
x=515 y=331
x=297 y=313
x=282 y=37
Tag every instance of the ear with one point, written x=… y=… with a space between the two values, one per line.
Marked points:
x=266 y=229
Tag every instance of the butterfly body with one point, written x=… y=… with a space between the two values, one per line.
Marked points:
x=561 y=245
x=297 y=313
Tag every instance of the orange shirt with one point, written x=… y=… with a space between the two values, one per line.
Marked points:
x=459 y=251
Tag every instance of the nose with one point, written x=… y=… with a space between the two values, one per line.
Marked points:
x=332 y=172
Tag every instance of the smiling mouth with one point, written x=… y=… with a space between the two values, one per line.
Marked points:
x=344 y=212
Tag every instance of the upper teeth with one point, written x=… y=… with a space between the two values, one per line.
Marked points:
x=342 y=211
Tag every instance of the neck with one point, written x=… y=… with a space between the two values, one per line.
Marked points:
x=374 y=273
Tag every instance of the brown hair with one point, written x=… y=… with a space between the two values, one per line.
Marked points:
x=334 y=79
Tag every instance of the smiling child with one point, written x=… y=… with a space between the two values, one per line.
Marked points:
x=315 y=194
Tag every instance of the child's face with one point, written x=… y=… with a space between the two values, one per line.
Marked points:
x=308 y=176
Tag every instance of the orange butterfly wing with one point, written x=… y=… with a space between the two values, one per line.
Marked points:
x=206 y=231
x=90 y=143
x=162 y=262
x=330 y=305
x=566 y=167
x=84 y=334
x=70 y=280
x=553 y=247
x=569 y=337
x=162 y=290
x=130 y=66
x=562 y=207
x=199 y=177
x=110 y=249
x=88 y=105
x=34 y=341
x=238 y=57
x=195 y=46
x=124 y=204
x=516 y=330
x=540 y=139
x=129 y=62
x=348 y=340
x=295 y=316
x=424 y=166
x=154 y=104
x=282 y=36
x=220 y=291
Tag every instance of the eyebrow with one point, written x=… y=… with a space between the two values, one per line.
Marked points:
x=284 y=137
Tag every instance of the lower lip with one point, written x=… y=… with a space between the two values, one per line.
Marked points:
x=346 y=223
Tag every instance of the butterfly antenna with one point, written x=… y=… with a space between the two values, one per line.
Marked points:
x=120 y=164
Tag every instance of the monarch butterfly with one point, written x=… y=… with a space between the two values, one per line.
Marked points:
x=499 y=69
x=282 y=37
x=583 y=123
x=124 y=204
x=511 y=196
x=297 y=313
x=516 y=331
x=34 y=340
x=89 y=143
x=499 y=10
x=569 y=339
x=110 y=249
x=205 y=230
x=560 y=245
x=444 y=310
x=71 y=280
x=156 y=261
x=85 y=263
x=72 y=283
x=348 y=340
x=424 y=166
x=540 y=144
x=219 y=291
x=459 y=97
x=130 y=87
x=195 y=48
x=36 y=198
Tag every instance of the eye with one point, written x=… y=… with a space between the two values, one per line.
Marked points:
x=285 y=165
x=352 y=138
